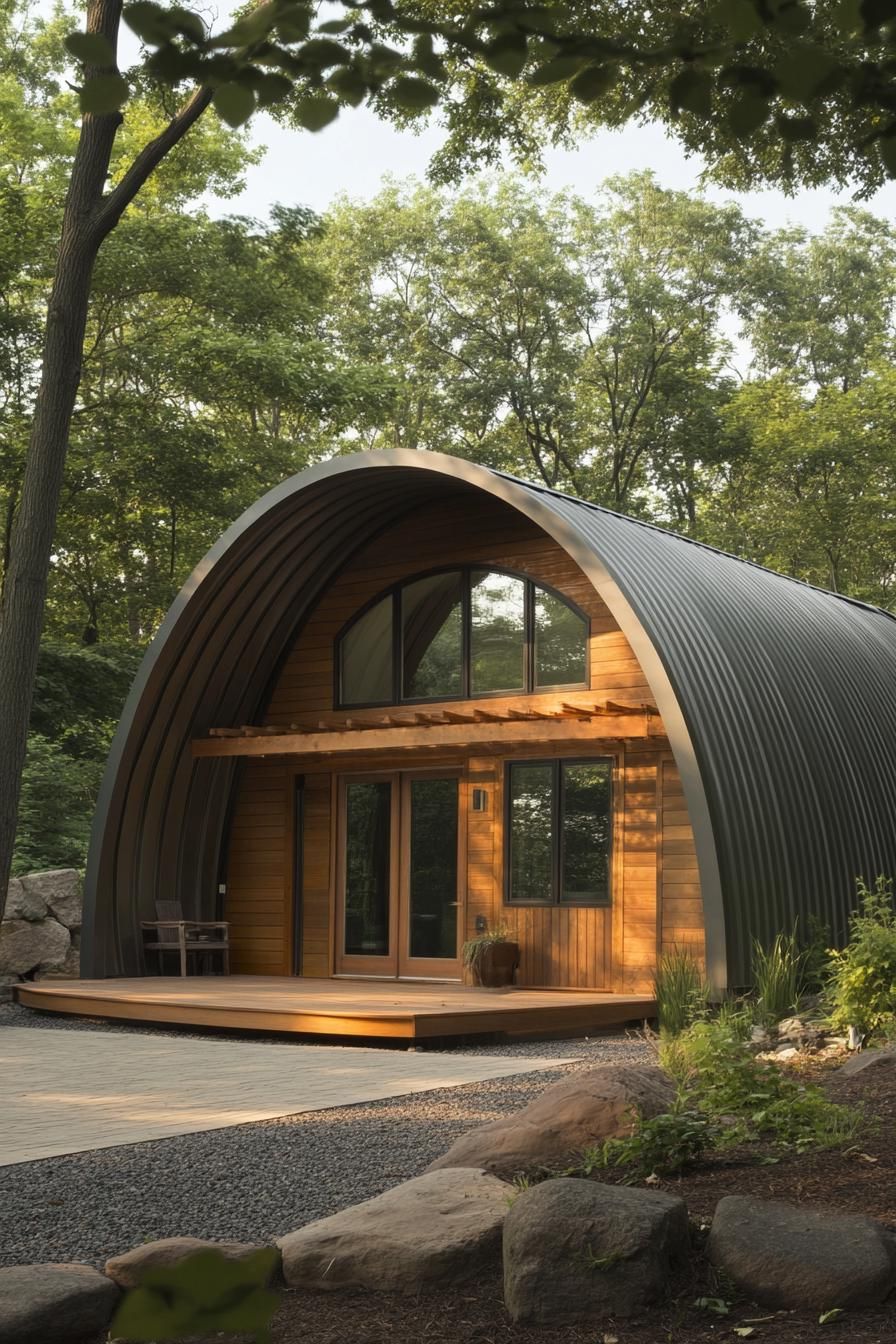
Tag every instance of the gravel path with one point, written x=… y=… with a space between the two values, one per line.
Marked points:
x=255 y=1182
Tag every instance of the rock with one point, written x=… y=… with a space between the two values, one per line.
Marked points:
x=60 y=889
x=25 y=945
x=439 y=1228
x=790 y=1256
x=55 y=1304
x=800 y=1032
x=567 y=1118
x=69 y=970
x=786 y=1052
x=884 y=1058
x=127 y=1270
x=576 y=1251
x=23 y=904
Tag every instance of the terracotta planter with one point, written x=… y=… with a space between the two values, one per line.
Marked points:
x=496 y=965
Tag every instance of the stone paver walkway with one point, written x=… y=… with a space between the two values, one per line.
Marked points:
x=71 y=1091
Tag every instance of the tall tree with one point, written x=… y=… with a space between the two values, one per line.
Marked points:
x=574 y=342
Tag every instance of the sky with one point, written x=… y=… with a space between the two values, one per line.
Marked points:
x=355 y=153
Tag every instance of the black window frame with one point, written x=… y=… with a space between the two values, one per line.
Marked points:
x=466 y=572
x=557 y=763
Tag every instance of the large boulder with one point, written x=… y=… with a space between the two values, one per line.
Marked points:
x=55 y=1304
x=22 y=903
x=70 y=969
x=550 y=1132
x=576 y=1251
x=876 y=1060
x=24 y=945
x=128 y=1270
x=439 y=1228
x=790 y=1256
x=60 y=889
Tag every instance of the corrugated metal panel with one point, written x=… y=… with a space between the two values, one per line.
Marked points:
x=779 y=699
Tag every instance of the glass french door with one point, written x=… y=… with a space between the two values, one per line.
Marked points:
x=398 y=894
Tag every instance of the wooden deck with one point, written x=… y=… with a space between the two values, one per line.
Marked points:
x=372 y=1008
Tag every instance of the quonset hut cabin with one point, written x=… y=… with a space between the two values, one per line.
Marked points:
x=407 y=698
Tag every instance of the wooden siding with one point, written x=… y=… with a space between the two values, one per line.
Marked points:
x=656 y=898
x=682 y=906
x=259 y=885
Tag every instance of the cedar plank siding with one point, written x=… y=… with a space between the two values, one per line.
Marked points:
x=656 y=894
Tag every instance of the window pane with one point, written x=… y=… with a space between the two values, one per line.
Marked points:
x=560 y=642
x=433 y=868
x=586 y=832
x=365 y=658
x=432 y=635
x=368 y=811
x=531 y=832
x=498 y=633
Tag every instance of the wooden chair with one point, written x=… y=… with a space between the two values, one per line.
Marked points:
x=183 y=936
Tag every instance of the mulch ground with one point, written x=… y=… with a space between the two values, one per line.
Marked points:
x=861 y=1181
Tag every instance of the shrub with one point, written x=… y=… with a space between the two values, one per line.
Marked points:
x=680 y=990
x=746 y=1099
x=862 y=977
x=778 y=977
x=660 y=1146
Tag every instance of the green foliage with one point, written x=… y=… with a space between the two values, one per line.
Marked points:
x=778 y=977
x=660 y=1146
x=474 y=949
x=748 y=1100
x=681 y=991
x=57 y=800
x=862 y=976
x=205 y=1293
x=764 y=90
x=815 y=941
x=79 y=695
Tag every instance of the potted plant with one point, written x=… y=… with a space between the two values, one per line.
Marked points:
x=492 y=958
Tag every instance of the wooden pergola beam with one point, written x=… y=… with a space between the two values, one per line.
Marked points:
x=432 y=734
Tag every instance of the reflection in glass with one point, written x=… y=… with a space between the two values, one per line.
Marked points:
x=432 y=897
x=531 y=832
x=365 y=658
x=497 y=635
x=432 y=636
x=585 y=797
x=368 y=810
x=560 y=641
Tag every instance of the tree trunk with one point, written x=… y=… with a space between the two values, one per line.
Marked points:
x=25 y=586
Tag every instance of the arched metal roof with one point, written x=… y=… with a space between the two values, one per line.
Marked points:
x=779 y=700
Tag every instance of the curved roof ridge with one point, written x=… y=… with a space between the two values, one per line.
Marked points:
x=539 y=488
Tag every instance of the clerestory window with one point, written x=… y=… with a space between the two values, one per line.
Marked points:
x=458 y=634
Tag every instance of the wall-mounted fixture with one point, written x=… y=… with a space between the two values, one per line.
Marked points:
x=479 y=801
x=481 y=923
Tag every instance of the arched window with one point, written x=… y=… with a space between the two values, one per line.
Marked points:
x=460 y=633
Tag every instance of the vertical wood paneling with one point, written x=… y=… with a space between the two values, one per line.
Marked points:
x=316 y=879
x=259 y=887
x=682 y=915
